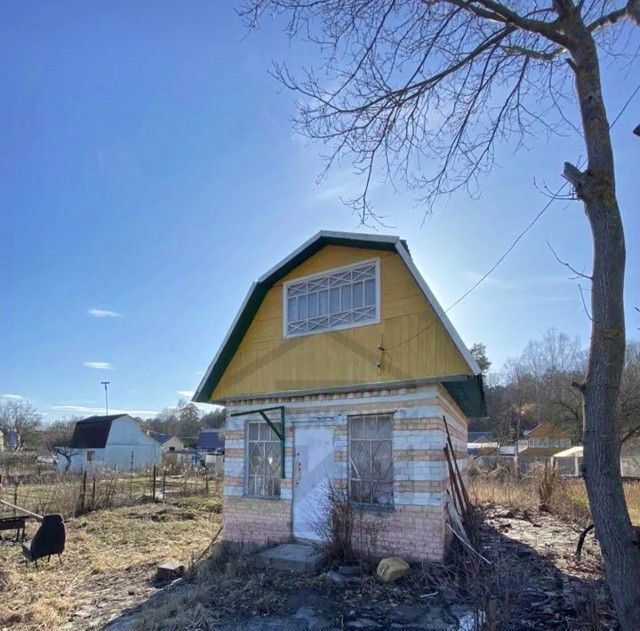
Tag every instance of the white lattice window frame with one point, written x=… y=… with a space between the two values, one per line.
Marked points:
x=374 y=443
x=266 y=437
x=369 y=314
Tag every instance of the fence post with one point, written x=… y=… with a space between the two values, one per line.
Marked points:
x=206 y=481
x=83 y=492
x=153 y=487
x=15 y=498
x=164 y=482
x=93 y=493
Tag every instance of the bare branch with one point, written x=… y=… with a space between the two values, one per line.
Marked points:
x=573 y=269
x=584 y=303
x=630 y=11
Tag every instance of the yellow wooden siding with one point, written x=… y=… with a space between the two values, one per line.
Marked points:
x=417 y=342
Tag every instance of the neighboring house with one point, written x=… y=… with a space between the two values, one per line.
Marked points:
x=482 y=448
x=568 y=462
x=210 y=449
x=340 y=368
x=181 y=458
x=541 y=444
x=169 y=442
x=210 y=441
x=111 y=442
x=484 y=436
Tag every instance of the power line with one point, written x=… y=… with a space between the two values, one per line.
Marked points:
x=490 y=271
x=516 y=240
x=624 y=107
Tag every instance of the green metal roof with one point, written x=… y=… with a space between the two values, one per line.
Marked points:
x=466 y=392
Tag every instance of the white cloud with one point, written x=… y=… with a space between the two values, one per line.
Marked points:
x=84 y=409
x=186 y=393
x=104 y=313
x=99 y=365
x=12 y=397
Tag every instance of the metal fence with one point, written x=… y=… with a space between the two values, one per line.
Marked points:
x=74 y=494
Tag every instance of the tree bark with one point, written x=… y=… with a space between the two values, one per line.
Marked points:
x=596 y=188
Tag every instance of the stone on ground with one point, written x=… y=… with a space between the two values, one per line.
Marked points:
x=295 y=557
x=391 y=569
x=169 y=570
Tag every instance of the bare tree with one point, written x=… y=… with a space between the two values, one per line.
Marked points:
x=58 y=439
x=20 y=421
x=629 y=406
x=404 y=84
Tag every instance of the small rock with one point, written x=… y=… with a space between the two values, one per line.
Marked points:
x=169 y=570
x=391 y=569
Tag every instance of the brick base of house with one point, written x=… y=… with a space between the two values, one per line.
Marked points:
x=415 y=527
x=258 y=522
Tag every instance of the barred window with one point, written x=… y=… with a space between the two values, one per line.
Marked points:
x=339 y=299
x=263 y=458
x=370 y=459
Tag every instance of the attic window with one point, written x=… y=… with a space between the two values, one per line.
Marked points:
x=341 y=298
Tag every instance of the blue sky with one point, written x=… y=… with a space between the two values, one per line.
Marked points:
x=149 y=172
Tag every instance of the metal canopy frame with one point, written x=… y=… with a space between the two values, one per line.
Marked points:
x=278 y=431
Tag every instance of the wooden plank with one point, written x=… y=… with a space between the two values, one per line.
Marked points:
x=454 y=481
x=453 y=452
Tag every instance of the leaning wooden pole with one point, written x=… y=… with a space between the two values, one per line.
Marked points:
x=22 y=510
x=455 y=462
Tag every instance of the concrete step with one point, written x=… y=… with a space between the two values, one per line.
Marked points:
x=295 y=557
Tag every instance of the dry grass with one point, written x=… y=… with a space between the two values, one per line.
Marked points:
x=566 y=498
x=109 y=561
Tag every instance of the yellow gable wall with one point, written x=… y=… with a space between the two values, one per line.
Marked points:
x=417 y=342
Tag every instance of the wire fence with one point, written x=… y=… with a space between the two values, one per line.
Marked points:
x=73 y=494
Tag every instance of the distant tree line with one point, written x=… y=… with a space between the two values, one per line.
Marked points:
x=538 y=385
x=185 y=421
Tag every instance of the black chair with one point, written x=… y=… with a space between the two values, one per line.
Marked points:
x=49 y=539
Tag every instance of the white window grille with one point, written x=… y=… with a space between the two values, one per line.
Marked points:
x=371 y=459
x=339 y=299
x=263 y=458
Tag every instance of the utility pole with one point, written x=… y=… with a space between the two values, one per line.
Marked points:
x=106 y=395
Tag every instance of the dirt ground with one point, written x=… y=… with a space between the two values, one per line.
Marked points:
x=106 y=581
x=107 y=566
x=533 y=583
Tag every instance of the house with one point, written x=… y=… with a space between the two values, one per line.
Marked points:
x=339 y=371
x=541 y=444
x=568 y=463
x=210 y=449
x=210 y=441
x=111 y=442
x=169 y=442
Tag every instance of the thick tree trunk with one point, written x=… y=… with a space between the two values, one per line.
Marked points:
x=596 y=187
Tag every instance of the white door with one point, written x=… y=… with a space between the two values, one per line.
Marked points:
x=313 y=466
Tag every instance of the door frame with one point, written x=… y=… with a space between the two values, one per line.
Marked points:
x=321 y=421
